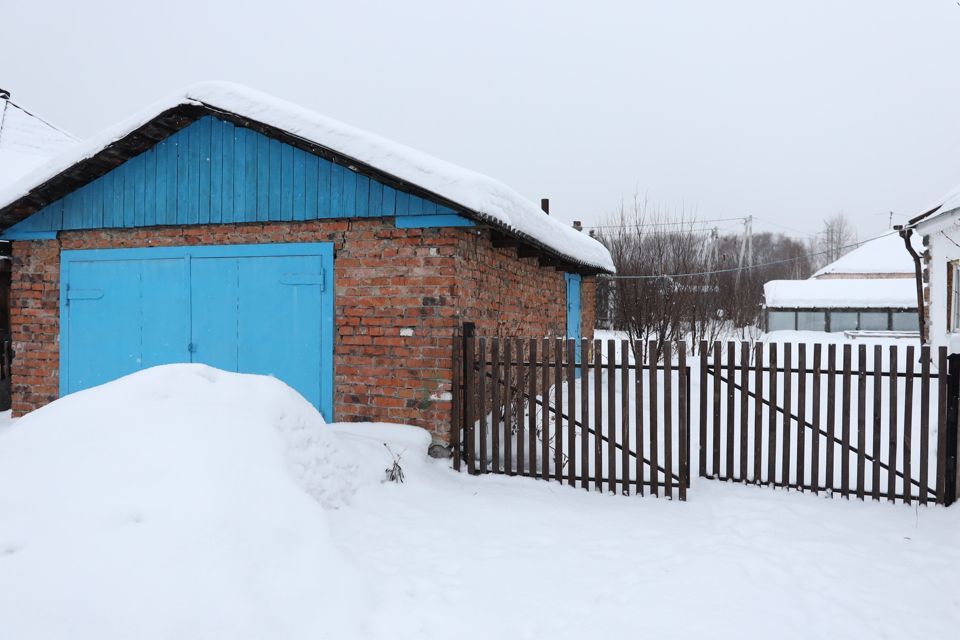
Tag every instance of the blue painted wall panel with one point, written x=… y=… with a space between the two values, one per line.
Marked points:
x=213 y=171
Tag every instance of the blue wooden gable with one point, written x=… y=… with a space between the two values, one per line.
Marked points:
x=215 y=172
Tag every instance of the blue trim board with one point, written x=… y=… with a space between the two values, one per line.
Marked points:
x=108 y=287
x=433 y=221
x=12 y=234
x=215 y=172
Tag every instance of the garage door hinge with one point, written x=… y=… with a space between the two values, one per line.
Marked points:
x=323 y=284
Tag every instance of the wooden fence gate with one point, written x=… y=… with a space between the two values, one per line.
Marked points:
x=614 y=419
x=813 y=418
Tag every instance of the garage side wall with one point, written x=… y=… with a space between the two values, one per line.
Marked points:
x=507 y=296
x=393 y=313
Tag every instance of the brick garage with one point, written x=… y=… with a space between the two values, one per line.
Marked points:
x=400 y=291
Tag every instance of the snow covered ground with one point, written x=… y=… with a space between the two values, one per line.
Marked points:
x=205 y=504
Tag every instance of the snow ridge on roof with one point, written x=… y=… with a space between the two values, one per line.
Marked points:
x=841 y=293
x=485 y=196
x=886 y=254
x=26 y=141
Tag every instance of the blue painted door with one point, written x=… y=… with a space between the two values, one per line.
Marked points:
x=264 y=309
x=573 y=308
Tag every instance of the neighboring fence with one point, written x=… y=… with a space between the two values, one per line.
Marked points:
x=6 y=356
x=802 y=416
x=574 y=412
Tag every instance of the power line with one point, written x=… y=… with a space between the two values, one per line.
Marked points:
x=661 y=224
x=734 y=269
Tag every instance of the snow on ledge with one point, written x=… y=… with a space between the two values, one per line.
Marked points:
x=487 y=197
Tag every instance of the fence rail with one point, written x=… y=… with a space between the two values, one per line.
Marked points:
x=882 y=429
x=597 y=418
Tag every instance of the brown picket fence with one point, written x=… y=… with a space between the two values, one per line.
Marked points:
x=574 y=412
x=812 y=417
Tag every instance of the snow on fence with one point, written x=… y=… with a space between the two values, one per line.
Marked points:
x=881 y=425
x=574 y=412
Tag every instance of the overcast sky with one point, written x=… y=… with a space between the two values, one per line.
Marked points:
x=789 y=111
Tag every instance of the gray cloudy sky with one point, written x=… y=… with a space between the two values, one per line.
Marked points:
x=790 y=111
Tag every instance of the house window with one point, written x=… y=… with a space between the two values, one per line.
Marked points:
x=781 y=321
x=874 y=321
x=811 y=320
x=906 y=321
x=843 y=321
x=953 y=307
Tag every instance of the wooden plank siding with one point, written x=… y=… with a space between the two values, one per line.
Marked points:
x=214 y=172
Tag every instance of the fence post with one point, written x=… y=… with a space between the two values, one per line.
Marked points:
x=456 y=405
x=953 y=397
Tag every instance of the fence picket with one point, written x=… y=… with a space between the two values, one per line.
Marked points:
x=772 y=418
x=571 y=414
x=908 y=429
x=744 y=409
x=468 y=416
x=611 y=417
x=815 y=433
x=584 y=416
x=638 y=414
x=892 y=430
x=877 y=416
x=941 y=423
x=717 y=370
x=523 y=374
x=758 y=413
x=801 y=415
x=624 y=418
x=507 y=407
x=532 y=404
x=456 y=398
x=845 y=424
x=924 y=423
x=482 y=398
x=788 y=414
x=598 y=413
x=728 y=432
x=495 y=404
x=702 y=453
x=861 y=417
x=831 y=415
x=668 y=421
x=652 y=361
x=545 y=413
x=558 y=414
x=684 y=425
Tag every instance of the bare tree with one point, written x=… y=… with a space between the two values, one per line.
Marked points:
x=833 y=241
x=676 y=281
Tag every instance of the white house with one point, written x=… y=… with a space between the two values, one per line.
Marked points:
x=870 y=289
x=940 y=230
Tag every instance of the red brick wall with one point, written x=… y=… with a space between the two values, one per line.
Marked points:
x=400 y=294
x=510 y=296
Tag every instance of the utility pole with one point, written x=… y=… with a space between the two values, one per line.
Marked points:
x=746 y=246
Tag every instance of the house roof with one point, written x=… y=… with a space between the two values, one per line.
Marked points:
x=948 y=204
x=841 y=293
x=886 y=254
x=474 y=195
x=26 y=141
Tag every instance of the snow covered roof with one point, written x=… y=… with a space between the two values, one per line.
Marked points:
x=26 y=141
x=886 y=254
x=841 y=293
x=481 y=197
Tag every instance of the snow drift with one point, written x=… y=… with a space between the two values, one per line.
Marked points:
x=181 y=501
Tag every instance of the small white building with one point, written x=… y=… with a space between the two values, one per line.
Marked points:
x=940 y=230
x=870 y=289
